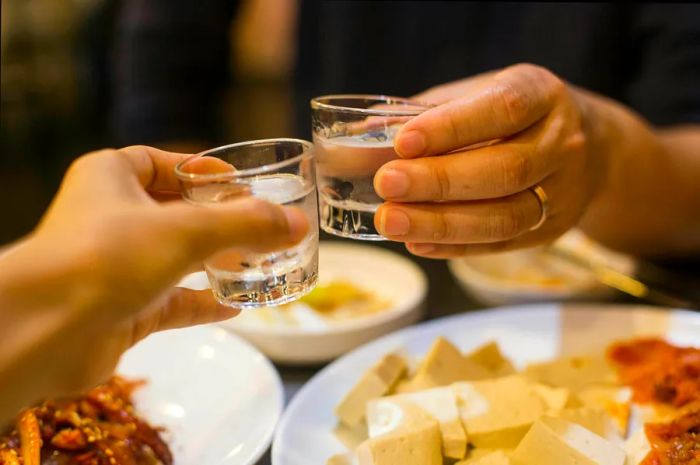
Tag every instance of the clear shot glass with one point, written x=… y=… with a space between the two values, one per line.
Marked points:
x=281 y=171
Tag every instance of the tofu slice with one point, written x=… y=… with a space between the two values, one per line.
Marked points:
x=555 y=399
x=553 y=441
x=490 y=357
x=574 y=373
x=376 y=382
x=387 y=414
x=342 y=459
x=351 y=437
x=497 y=457
x=497 y=413
x=637 y=447
x=616 y=401
x=595 y=420
x=415 y=442
x=442 y=366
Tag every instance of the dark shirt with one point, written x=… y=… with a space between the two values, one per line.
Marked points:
x=171 y=59
x=172 y=56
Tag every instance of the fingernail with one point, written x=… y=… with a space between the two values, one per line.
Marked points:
x=395 y=222
x=410 y=144
x=422 y=249
x=296 y=222
x=392 y=184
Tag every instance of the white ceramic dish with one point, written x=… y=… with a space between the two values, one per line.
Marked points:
x=217 y=397
x=387 y=274
x=525 y=333
x=532 y=275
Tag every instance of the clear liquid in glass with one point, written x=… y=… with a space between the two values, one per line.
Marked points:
x=346 y=166
x=262 y=279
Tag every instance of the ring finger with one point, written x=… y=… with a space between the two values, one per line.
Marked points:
x=473 y=222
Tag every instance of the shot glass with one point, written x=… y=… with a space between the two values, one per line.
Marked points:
x=354 y=136
x=281 y=171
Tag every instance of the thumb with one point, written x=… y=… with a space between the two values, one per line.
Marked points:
x=247 y=224
x=181 y=308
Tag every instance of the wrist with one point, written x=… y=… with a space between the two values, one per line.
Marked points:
x=37 y=277
x=598 y=129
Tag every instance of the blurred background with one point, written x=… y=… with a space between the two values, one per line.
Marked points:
x=185 y=75
x=58 y=96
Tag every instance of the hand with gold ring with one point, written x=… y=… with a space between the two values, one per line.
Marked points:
x=502 y=162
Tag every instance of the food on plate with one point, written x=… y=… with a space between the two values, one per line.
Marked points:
x=497 y=412
x=391 y=413
x=575 y=373
x=667 y=377
x=475 y=409
x=328 y=303
x=677 y=442
x=98 y=428
x=339 y=297
x=445 y=364
x=553 y=440
x=533 y=267
x=415 y=440
x=658 y=372
x=375 y=383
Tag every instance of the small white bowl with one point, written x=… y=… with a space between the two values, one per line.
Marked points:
x=390 y=276
x=531 y=275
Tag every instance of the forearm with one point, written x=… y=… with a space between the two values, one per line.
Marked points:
x=648 y=199
x=42 y=325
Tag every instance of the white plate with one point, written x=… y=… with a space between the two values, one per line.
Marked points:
x=525 y=333
x=533 y=275
x=218 y=398
x=389 y=275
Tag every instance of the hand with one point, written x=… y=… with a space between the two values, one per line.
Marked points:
x=463 y=183
x=98 y=272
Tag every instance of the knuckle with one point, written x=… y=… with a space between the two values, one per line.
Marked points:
x=535 y=73
x=89 y=160
x=442 y=229
x=516 y=170
x=442 y=182
x=505 y=225
x=515 y=103
x=452 y=123
x=538 y=77
x=575 y=142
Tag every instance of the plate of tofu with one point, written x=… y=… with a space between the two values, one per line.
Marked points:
x=541 y=384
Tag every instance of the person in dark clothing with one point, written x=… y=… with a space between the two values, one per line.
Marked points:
x=590 y=112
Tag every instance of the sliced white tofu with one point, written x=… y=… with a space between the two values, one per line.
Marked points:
x=442 y=366
x=496 y=413
x=616 y=401
x=490 y=357
x=351 y=437
x=637 y=447
x=574 y=373
x=342 y=459
x=415 y=442
x=387 y=414
x=376 y=382
x=497 y=457
x=595 y=420
x=553 y=441
x=555 y=399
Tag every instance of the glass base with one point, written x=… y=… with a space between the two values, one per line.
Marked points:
x=273 y=291
x=348 y=219
x=359 y=237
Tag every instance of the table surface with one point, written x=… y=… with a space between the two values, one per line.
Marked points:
x=445 y=297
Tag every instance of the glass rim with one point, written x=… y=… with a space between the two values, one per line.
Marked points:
x=308 y=151
x=318 y=104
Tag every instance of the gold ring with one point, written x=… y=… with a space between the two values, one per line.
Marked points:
x=544 y=205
